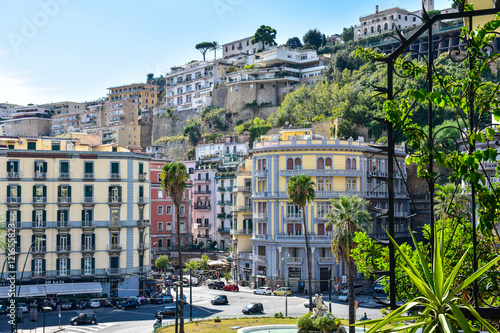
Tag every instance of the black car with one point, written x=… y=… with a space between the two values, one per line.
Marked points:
x=167 y=310
x=219 y=299
x=66 y=304
x=216 y=285
x=80 y=304
x=84 y=318
x=253 y=308
x=129 y=304
x=3 y=308
x=109 y=302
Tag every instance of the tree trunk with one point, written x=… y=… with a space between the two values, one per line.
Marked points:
x=350 y=281
x=308 y=260
x=181 y=282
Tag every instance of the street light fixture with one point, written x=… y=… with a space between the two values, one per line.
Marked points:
x=286 y=288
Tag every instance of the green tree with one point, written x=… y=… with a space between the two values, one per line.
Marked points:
x=293 y=43
x=173 y=181
x=204 y=47
x=215 y=46
x=162 y=262
x=191 y=265
x=255 y=126
x=204 y=260
x=348 y=216
x=300 y=191
x=452 y=201
x=323 y=40
x=193 y=131
x=313 y=37
x=348 y=34
x=265 y=35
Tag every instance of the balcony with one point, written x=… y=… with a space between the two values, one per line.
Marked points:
x=39 y=225
x=261 y=194
x=260 y=216
x=260 y=257
x=221 y=216
x=39 y=274
x=143 y=223
x=63 y=200
x=88 y=176
x=203 y=236
x=64 y=175
x=114 y=247
x=293 y=216
x=261 y=236
x=202 y=207
x=13 y=200
x=65 y=273
x=113 y=271
x=142 y=246
x=260 y=173
x=63 y=224
x=326 y=260
x=88 y=224
x=40 y=200
x=203 y=192
x=204 y=226
x=14 y=175
x=294 y=260
x=220 y=203
x=223 y=230
x=243 y=189
x=38 y=175
x=87 y=272
x=228 y=203
x=322 y=172
x=88 y=248
x=222 y=175
x=115 y=224
x=115 y=176
x=39 y=249
x=63 y=248
x=202 y=180
x=241 y=231
x=221 y=189
x=142 y=200
x=143 y=177
x=114 y=200
x=88 y=200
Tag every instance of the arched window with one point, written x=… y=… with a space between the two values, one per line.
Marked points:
x=371 y=29
x=320 y=163
x=353 y=164
x=328 y=163
x=378 y=28
x=386 y=26
x=348 y=164
x=289 y=164
x=366 y=31
x=298 y=163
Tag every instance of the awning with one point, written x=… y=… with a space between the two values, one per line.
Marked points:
x=26 y=291
x=74 y=288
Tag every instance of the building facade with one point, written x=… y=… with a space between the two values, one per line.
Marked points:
x=146 y=95
x=338 y=167
x=204 y=203
x=80 y=214
x=30 y=121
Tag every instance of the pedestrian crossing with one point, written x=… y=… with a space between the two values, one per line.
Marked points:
x=86 y=328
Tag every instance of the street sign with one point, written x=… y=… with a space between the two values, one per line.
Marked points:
x=344 y=278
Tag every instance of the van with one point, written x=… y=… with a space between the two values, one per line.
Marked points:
x=358 y=289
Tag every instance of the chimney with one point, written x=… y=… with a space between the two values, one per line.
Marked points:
x=376 y=9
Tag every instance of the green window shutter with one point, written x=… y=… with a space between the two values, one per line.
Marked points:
x=59 y=191
x=83 y=215
x=93 y=263
x=110 y=191
x=69 y=241
x=119 y=191
x=44 y=191
x=141 y=168
x=83 y=240
x=93 y=239
x=58 y=238
x=57 y=264
x=8 y=166
x=33 y=213
x=18 y=191
x=141 y=191
x=43 y=265
x=8 y=190
x=19 y=216
x=115 y=166
x=44 y=166
x=59 y=215
x=44 y=216
x=34 y=191
x=44 y=243
x=32 y=239
x=91 y=213
x=7 y=219
x=83 y=263
x=68 y=265
x=32 y=265
x=69 y=191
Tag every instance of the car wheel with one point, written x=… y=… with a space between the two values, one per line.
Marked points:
x=73 y=323
x=255 y=292
x=137 y=306
x=226 y=302
x=361 y=292
x=93 y=322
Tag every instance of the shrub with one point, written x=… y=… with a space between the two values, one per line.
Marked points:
x=231 y=69
x=252 y=66
x=279 y=315
x=305 y=322
x=325 y=323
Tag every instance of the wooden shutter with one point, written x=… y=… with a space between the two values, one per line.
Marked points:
x=93 y=239
x=58 y=242
x=43 y=265
x=68 y=237
x=68 y=265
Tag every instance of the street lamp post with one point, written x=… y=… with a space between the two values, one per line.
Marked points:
x=176 y=308
x=330 y=289
x=142 y=251
x=286 y=287
x=190 y=296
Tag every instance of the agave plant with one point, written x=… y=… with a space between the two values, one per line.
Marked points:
x=441 y=309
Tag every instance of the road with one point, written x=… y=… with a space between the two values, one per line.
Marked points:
x=142 y=319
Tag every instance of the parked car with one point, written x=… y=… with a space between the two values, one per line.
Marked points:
x=80 y=304
x=66 y=304
x=344 y=297
x=94 y=303
x=379 y=288
x=358 y=289
x=263 y=291
x=129 y=304
x=219 y=299
x=253 y=308
x=168 y=309
x=216 y=285
x=281 y=291
x=3 y=308
x=306 y=303
x=231 y=287
x=84 y=318
x=23 y=307
x=109 y=302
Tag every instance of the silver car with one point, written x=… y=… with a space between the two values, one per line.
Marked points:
x=263 y=291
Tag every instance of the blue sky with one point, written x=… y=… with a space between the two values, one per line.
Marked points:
x=55 y=50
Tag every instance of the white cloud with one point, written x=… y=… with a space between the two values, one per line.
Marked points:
x=19 y=87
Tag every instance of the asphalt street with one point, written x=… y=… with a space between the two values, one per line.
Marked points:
x=141 y=320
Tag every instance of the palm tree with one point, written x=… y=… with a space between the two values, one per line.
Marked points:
x=173 y=181
x=452 y=201
x=300 y=190
x=348 y=215
x=215 y=46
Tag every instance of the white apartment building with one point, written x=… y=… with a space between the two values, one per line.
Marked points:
x=190 y=86
x=7 y=110
x=241 y=47
x=65 y=118
x=225 y=147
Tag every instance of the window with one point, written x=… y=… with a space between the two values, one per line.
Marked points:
x=63 y=266
x=169 y=210
x=88 y=170
x=160 y=194
x=160 y=210
x=115 y=170
x=182 y=225
x=13 y=194
x=38 y=267
x=182 y=210
x=414 y=19
x=160 y=242
x=293 y=211
x=350 y=184
x=168 y=226
x=39 y=218
x=160 y=226
x=31 y=145
x=39 y=194
x=289 y=164
x=115 y=194
x=64 y=169
x=88 y=266
x=56 y=146
x=115 y=215
x=353 y=164
x=40 y=169
x=328 y=163
x=320 y=163
x=261 y=250
x=64 y=194
x=39 y=243
x=298 y=164
x=348 y=164
x=63 y=218
x=262 y=164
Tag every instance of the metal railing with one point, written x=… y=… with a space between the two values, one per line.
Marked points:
x=114 y=175
x=241 y=231
x=39 y=224
x=88 y=200
x=115 y=224
x=143 y=223
x=39 y=200
x=143 y=177
x=113 y=271
x=88 y=248
x=88 y=175
x=114 y=200
x=64 y=175
x=63 y=199
x=63 y=248
x=63 y=224
x=88 y=224
x=39 y=175
x=115 y=247
x=87 y=272
x=13 y=200
x=14 y=175
x=39 y=249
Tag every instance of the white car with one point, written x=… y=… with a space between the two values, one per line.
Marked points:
x=94 y=303
x=263 y=291
x=344 y=297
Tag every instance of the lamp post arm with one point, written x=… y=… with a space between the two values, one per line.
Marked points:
x=24 y=267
